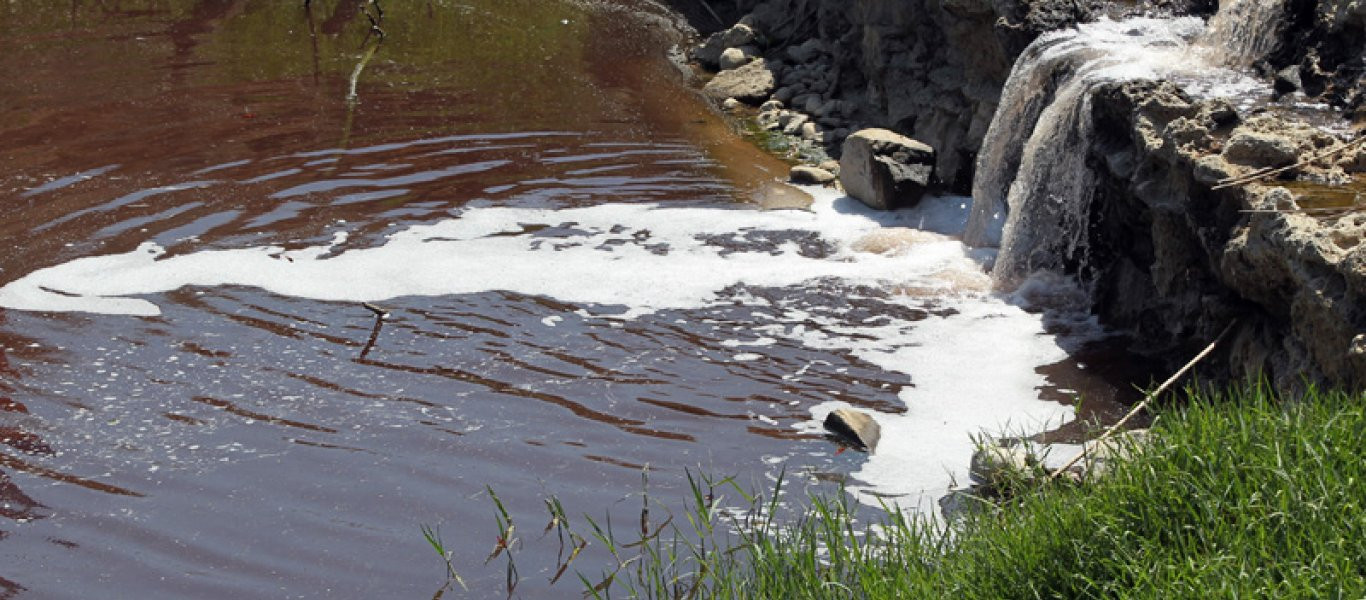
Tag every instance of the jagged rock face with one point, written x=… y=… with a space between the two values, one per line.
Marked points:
x=928 y=69
x=1175 y=261
x=1326 y=40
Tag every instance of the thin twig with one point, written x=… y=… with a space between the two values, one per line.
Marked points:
x=380 y=316
x=1269 y=171
x=1141 y=405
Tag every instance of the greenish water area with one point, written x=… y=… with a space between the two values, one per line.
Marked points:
x=1319 y=197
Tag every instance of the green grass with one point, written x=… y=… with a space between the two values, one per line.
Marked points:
x=1238 y=495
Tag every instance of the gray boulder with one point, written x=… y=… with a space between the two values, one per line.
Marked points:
x=750 y=83
x=884 y=169
x=709 y=52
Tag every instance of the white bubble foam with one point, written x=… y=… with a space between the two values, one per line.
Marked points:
x=645 y=257
x=972 y=367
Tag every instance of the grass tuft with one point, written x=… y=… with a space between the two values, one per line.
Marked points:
x=1237 y=494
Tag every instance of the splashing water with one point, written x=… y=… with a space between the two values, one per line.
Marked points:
x=1033 y=186
x=1242 y=32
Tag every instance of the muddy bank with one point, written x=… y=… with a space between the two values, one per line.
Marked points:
x=1168 y=253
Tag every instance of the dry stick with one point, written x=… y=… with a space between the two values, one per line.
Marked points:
x=1268 y=171
x=1141 y=405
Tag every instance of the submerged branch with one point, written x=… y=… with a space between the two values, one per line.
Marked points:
x=380 y=316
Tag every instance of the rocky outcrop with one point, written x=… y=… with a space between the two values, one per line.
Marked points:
x=884 y=170
x=1167 y=257
x=928 y=69
x=1174 y=260
x=1324 y=51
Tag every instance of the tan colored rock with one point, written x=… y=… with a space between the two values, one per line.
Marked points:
x=810 y=175
x=732 y=58
x=751 y=83
x=854 y=427
x=1260 y=149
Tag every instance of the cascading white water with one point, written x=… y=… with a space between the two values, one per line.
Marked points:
x=1243 y=31
x=1033 y=188
x=1032 y=185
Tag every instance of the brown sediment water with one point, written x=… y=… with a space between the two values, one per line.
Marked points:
x=236 y=443
x=1329 y=199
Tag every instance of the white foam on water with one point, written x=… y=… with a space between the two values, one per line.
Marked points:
x=612 y=256
x=973 y=370
x=973 y=373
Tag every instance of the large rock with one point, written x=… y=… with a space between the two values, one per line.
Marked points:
x=884 y=169
x=750 y=83
x=1260 y=149
x=854 y=428
x=1173 y=261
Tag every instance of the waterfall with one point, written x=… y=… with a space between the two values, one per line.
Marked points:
x=1033 y=188
x=1243 y=31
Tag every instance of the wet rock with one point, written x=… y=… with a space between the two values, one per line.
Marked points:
x=771 y=105
x=854 y=428
x=886 y=170
x=784 y=94
x=810 y=175
x=750 y=83
x=1288 y=80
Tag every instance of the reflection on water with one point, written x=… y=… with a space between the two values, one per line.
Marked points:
x=234 y=442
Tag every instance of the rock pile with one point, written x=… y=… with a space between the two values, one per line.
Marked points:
x=794 y=87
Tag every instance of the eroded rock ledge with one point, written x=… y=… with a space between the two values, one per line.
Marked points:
x=1170 y=258
x=1174 y=260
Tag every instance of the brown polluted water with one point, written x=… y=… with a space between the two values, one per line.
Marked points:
x=239 y=442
